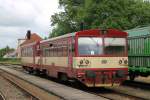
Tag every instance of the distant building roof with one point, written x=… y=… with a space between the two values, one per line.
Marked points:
x=34 y=38
x=10 y=54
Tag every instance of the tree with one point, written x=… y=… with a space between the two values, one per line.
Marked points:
x=120 y=14
x=5 y=50
x=45 y=38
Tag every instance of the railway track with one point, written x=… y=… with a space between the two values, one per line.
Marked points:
x=2 y=96
x=116 y=95
x=109 y=93
x=44 y=89
x=28 y=87
x=136 y=84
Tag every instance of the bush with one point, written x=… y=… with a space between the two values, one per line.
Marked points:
x=10 y=60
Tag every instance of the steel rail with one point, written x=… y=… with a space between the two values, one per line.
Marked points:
x=2 y=97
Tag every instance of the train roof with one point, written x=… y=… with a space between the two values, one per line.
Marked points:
x=138 y=31
x=59 y=37
x=88 y=32
x=29 y=44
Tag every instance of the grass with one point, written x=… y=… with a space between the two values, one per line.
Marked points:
x=10 y=61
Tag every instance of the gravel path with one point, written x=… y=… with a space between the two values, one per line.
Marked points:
x=143 y=79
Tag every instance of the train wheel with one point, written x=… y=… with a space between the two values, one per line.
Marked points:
x=63 y=77
x=44 y=72
x=37 y=72
x=132 y=76
x=30 y=71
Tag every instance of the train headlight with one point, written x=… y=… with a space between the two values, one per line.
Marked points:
x=81 y=62
x=84 y=63
x=120 y=61
x=87 y=62
x=125 y=61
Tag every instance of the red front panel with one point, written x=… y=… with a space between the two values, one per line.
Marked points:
x=102 y=76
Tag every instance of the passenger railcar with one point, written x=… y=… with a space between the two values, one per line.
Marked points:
x=94 y=57
x=139 y=52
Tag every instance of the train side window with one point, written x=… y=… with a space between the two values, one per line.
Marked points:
x=46 y=52
x=53 y=51
x=25 y=52
x=50 y=52
x=66 y=48
x=65 y=51
x=59 y=51
x=30 y=52
x=22 y=52
x=43 y=53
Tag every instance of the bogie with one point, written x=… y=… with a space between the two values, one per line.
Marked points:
x=62 y=76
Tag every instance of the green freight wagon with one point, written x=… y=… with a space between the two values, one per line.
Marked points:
x=139 y=52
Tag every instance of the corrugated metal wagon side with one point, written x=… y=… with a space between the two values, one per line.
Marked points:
x=139 y=52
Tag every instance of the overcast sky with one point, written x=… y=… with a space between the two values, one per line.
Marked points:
x=18 y=16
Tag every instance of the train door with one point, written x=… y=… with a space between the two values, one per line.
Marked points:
x=38 y=57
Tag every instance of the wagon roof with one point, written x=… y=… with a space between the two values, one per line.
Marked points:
x=138 y=31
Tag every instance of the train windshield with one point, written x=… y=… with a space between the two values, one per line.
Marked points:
x=114 y=46
x=90 y=46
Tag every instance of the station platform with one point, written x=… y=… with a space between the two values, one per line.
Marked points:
x=59 y=91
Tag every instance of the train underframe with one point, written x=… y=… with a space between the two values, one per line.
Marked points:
x=102 y=78
x=135 y=71
x=89 y=77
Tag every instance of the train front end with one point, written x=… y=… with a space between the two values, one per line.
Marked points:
x=101 y=57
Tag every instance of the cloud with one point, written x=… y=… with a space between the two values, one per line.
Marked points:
x=17 y=16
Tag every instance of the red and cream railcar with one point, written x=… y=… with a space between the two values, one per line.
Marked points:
x=28 y=56
x=94 y=57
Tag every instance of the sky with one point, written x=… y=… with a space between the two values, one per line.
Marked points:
x=18 y=16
